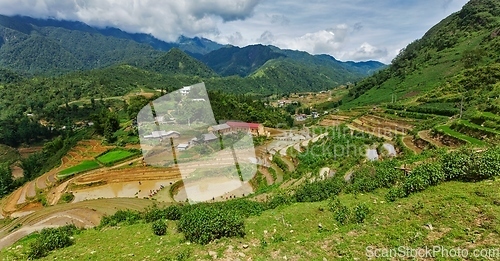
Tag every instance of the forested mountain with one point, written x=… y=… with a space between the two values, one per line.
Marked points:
x=456 y=59
x=247 y=60
x=234 y=60
x=49 y=47
x=176 y=62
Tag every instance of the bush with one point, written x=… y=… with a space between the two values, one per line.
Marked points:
x=159 y=227
x=173 y=212
x=487 y=165
x=204 y=223
x=127 y=216
x=395 y=193
x=466 y=165
x=333 y=204
x=319 y=190
x=360 y=213
x=67 y=197
x=279 y=199
x=456 y=165
x=51 y=239
x=342 y=214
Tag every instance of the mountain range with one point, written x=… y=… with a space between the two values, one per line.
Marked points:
x=32 y=46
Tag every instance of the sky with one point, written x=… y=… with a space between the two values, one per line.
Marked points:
x=349 y=30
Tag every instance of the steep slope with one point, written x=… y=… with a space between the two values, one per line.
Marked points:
x=456 y=58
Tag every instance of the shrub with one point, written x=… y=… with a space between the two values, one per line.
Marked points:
x=487 y=165
x=342 y=214
x=395 y=193
x=360 y=213
x=279 y=199
x=67 y=197
x=159 y=227
x=204 y=223
x=415 y=183
x=128 y=216
x=456 y=165
x=318 y=190
x=51 y=239
x=333 y=204
x=173 y=212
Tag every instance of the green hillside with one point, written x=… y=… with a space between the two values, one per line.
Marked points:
x=234 y=60
x=176 y=62
x=456 y=58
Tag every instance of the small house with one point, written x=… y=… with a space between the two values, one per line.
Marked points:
x=209 y=137
x=182 y=146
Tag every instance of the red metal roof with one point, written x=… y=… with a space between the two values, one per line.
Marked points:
x=236 y=124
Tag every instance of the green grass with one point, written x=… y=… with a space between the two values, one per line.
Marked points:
x=82 y=167
x=479 y=127
x=452 y=215
x=115 y=156
x=448 y=131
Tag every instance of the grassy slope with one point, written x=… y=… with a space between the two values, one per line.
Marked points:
x=431 y=63
x=462 y=215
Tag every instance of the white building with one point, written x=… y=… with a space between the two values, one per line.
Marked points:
x=163 y=134
x=185 y=90
x=182 y=146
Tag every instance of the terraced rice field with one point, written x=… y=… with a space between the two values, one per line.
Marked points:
x=84 y=166
x=380 y=127
x=84 y=150
x=115 y=156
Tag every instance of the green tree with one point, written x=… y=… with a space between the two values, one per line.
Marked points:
x=5 y=180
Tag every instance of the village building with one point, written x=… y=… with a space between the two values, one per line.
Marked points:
x=255 y=129
x=209 y=137
x=185 y=90
x=221 y=128
x=182 y=146
x=163 y=134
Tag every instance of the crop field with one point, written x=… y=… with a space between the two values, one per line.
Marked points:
x=445 y=129
x=115 y=156
x=82 y=167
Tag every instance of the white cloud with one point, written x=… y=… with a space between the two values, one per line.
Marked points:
x=166 y=19
x=368 y=52
x=321 y=42
x=342 y=28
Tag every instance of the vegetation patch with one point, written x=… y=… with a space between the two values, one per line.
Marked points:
x=446 y=130
x=114 y=156
x=84 y=166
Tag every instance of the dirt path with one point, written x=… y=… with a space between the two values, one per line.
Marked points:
x=426 y=135
x=22 y=196
x=11 y=202
x=269 y=177
x=31 y=191
x=408 y=142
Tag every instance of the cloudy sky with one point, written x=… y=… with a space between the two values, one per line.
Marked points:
x=347 y=29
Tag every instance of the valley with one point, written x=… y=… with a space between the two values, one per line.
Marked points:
x=195 y=150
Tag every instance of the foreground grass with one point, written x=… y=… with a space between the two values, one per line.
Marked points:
x=452 y=215
x=83 y=166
